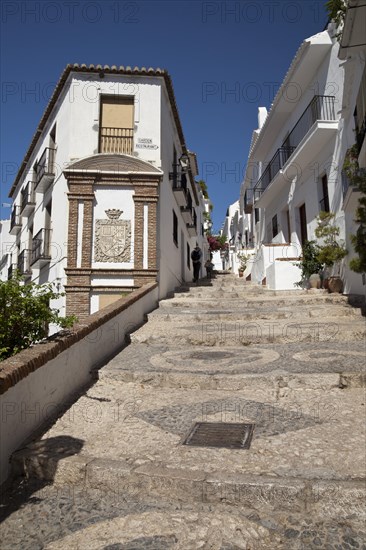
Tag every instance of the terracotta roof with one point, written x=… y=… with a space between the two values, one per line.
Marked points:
x=98 y=69
x=112 y=163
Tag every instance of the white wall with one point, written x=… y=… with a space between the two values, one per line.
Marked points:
x=173 y=267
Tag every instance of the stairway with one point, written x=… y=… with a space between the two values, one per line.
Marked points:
x=114 y=471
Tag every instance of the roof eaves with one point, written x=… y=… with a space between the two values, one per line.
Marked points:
x=305 y=45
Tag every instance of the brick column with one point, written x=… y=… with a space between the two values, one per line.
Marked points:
x=86 y=246
x=139 y=232
x=72 y=237
x=78 y=279
x=152 y=234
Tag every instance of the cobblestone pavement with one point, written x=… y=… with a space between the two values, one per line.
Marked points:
x=113 y=472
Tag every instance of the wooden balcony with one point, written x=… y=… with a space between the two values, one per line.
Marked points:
x=116 y=140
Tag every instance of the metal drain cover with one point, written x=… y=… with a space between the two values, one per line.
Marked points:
x=220 y=434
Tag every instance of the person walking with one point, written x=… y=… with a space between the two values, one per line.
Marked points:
x=209 y=267
x=196 y=259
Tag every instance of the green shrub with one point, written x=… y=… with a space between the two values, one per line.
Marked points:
x=25 y=314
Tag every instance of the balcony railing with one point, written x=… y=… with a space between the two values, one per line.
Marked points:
x=321 y=107
x=277 y=162
x=11 y=271
x=15 y=221
x=116 y=140
x=248 y=201
x=28 y=198
x=41 y=247
x=324 y=204
x=192 y=227
x=45 y=169
x=24 y=260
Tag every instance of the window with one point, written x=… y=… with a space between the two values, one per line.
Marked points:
x=116 y=125
x=274 y=226
x=188 y=256
x=256 y=215
x=324 y=203
x=175 y=228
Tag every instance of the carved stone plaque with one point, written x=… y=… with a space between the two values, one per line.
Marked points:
x=112 y=239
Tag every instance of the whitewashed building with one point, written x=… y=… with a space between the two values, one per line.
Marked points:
x=105 y=199
x=294 y=168
x=352 y=55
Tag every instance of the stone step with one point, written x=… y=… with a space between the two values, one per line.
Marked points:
x=279 y=380
x=246 y=332
x=254 y=301
x=176 y=314
x=267 y=367
x=303 y=457
x=96 y=518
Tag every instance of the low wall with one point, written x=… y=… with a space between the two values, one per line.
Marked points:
x=36 y=383
x=282 y=275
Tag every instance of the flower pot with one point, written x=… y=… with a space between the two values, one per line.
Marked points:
x=241 y=273
x=314 y=280
x=335 y=284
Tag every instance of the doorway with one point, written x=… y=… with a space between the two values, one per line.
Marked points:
x=303 y=225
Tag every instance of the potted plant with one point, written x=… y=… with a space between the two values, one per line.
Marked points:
x=331 y=251
x=243 y=262
x=310 y=266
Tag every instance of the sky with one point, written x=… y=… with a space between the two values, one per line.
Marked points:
x=226 y=59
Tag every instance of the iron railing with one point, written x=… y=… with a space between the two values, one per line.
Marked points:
x=116 y=140
x=46 y=164
x=24 y=260
x=274 y=166
x=248 y=201
x=179 y=181
x=28 y=196
x=324 y=204
x=15 y=220
x=41 y=246
x=321 y=107
x=11 y=271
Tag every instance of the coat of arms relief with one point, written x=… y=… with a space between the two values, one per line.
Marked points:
x=112 y=238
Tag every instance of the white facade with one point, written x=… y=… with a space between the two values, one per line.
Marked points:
x=136 y=180
x=352 y=55
x=294 y=168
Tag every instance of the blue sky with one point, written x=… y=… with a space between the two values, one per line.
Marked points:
x=226 y=59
